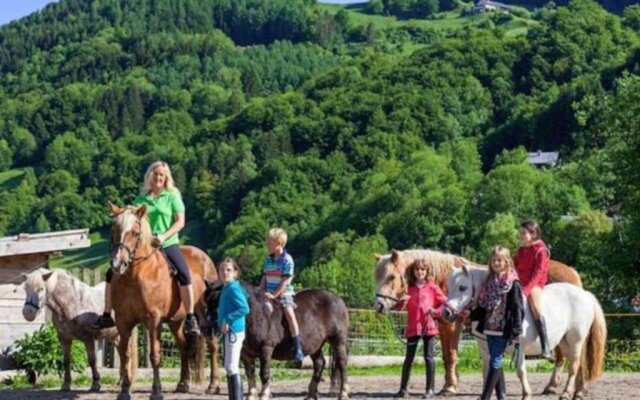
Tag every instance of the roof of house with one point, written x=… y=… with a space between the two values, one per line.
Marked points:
x=485 y=3
x=44 y=242
x=543 y=158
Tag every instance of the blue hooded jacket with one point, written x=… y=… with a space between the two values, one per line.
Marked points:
x=233 y=307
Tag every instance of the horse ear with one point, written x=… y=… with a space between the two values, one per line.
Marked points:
x=395 y=257
x=465 y=269
x=377 y=256
x=115 y=210
x=46 y=274
x=141 y=211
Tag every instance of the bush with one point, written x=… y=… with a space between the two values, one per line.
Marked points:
x=41 y=354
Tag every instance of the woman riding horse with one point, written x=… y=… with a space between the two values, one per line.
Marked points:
x=165 y=211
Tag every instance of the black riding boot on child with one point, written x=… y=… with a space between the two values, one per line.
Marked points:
x=404 y=381
x=501 y=387
x=235 y=387
x=541 y=327
x=430 y=365
x=490 y=383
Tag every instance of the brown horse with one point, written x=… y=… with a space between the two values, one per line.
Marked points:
x=391 y=285
x=144 y=292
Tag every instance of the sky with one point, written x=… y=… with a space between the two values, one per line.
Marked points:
x=14 y=9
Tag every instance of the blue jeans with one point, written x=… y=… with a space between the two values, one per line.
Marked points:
x=497 y=346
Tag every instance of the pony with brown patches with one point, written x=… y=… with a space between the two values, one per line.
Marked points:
x=144 y=292
x=74 y=306
x=391 y=286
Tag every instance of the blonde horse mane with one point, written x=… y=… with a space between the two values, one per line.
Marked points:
x=128 y=218
x=442 y=262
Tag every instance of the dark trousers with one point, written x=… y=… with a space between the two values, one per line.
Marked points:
x=429 y=344
x=183 y=274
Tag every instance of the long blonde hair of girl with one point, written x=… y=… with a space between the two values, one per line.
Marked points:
x=169 y=184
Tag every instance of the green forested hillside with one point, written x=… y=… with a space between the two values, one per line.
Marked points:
x=355 y=137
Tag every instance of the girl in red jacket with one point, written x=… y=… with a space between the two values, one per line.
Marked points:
x=423 y=303
x=532 y=265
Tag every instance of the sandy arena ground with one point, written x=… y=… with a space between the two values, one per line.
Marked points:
x=611 y=386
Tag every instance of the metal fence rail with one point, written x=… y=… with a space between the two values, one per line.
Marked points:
x=371 y=333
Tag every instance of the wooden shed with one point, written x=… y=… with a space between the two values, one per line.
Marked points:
x=21 y=254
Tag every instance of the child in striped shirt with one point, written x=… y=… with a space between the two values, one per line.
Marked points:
x=277 y=274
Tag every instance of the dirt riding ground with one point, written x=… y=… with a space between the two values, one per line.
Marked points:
x=610 y=386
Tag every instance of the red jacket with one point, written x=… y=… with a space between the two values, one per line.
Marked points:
x=532 y=265
x=423 y=298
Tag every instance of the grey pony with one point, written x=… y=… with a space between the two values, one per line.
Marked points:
x=74 y=307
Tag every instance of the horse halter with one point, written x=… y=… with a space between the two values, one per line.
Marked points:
x=392 y=298
x=467 y=306
x=30 y=302
x=132 y=253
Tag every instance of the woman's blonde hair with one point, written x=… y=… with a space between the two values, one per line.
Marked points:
x=169 y=183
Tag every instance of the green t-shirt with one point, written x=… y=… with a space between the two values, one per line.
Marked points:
x=161 y=212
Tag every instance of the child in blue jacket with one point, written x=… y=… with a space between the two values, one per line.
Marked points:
x=232 y=312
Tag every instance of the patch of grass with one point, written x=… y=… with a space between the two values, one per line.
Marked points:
x=444 y=21
x=94 y=256
x=9 y=180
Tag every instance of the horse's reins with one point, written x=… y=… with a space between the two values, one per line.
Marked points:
x=132 y=253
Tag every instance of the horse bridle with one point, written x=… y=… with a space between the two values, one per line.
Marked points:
x=132 y=253
x=392 y=298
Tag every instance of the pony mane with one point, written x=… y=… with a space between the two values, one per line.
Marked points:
x=442 y=262
x=128 y=218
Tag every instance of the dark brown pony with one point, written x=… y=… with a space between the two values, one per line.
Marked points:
x=144 y=292
x=322 y=317
x=391 y=285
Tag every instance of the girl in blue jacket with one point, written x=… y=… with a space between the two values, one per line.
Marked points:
x=232 y=311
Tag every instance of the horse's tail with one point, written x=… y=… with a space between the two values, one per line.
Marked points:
x=195 y=348
x=592 y=357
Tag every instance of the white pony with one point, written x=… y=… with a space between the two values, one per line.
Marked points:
x=575 y=322
x=74 y=306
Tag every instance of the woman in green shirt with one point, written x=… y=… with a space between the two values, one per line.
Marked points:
x=165 y=211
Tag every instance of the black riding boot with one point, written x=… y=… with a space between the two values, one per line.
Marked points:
x=404 y=381
x=430 y=366
x=490 y=383
x=105 y=321
x=191 y=326
x=501 y=387
x=541 y=327
x=235 y=387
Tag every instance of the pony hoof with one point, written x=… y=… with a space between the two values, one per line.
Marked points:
x=156 y=396
x=550 y=390
x=448 y=391
x=124 y=396
x=344 y=395
x=183 y=387
x=95 y=387
x=566 y=396
x=213 y=389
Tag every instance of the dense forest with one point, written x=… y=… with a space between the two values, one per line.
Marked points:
x=355 y=137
